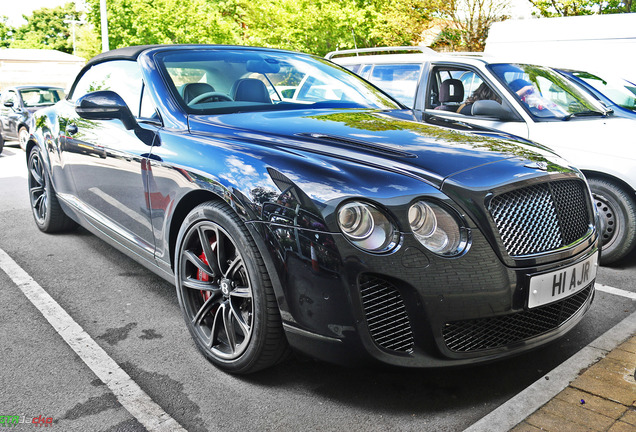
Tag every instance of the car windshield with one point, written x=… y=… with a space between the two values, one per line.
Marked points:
x=546 y=94
x=619 y=91
x=221 y=80
x=36 y=97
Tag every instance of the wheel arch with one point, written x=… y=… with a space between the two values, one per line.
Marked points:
x=200 y=196
x=604 y=176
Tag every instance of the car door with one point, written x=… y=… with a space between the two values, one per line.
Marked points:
x=466 y=81
x=107 y=162
x=10 y=115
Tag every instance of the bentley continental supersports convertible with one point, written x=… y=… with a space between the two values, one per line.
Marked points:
x=295 y=205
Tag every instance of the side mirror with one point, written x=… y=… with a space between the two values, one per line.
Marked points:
x=105 y=105
x=8 y=104
x=491 y=108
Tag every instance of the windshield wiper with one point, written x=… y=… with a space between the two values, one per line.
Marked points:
x=589 y=113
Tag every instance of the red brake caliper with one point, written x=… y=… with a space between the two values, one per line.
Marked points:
x=201 y=275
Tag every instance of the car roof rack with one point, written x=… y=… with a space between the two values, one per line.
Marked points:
x=358 y=51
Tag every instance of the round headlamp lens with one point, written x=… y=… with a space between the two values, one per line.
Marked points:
x=422 y=219
x=355 y=221
x=367 y=227
x=437 y=229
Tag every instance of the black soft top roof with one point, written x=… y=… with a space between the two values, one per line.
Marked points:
x=132 y=52
x=127 y=53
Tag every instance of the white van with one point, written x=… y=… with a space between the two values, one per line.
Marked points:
x=530 y=101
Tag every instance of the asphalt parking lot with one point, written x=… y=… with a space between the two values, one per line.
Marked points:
x=134 y=317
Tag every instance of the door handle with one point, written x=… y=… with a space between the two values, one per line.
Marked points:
x=71 y=129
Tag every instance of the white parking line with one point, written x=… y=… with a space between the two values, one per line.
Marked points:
x=127 y=391
x=615 y=291
x=518 y=408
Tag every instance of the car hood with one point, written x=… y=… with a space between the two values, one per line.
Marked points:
x=392 y=140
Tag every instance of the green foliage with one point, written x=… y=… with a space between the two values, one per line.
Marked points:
x=449 y=39
x=6 y=33
x=560 y=8
x=139 y=22
x=315 y=26
x=88 y=43
x=46 y=29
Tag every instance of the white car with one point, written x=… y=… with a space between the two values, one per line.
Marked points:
x=530 y=101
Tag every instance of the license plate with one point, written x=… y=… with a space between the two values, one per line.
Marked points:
x=553 y=286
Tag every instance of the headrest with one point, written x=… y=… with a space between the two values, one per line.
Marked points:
x=451 y=90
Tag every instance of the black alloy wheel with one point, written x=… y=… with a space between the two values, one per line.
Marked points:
x=225 y=294
x=618 y=219
x=47 y=212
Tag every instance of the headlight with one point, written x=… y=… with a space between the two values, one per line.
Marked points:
x=367 y=227
x=437 y=229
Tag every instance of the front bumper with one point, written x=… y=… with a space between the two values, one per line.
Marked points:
x=414 y=309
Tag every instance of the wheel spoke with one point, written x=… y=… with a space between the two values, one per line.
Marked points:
x=36 y=189
x=221 y=252
x=238 y=317
x=36 y=175
x=208 y=252
x=242 y=292
x=212 y=301
x=190 y=256
x=37 y=201
x=228 y=323
x=196 y=284
x=234 y=266
x=216 y=326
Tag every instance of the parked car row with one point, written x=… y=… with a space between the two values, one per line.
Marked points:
x=294 y=204
x=530 y=101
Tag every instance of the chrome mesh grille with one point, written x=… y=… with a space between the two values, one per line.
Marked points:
x=386 y=315
x=542 y=217
x=488 y=333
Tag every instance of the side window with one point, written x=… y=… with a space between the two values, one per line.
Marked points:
x=398 y=80
x=121 y=76
x=364 y=71
x=457 y=89
x=147 y=109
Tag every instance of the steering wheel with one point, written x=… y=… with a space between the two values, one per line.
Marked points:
x=214 y=96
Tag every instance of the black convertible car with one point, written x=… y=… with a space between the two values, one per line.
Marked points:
x=294 y=204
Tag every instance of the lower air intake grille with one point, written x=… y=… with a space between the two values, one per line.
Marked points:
x=386 y=315
x=497 y=332
x=542 y=217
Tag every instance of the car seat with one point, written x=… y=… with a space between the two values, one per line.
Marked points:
x=191 y=90
x=451 y=94
x=250 y=90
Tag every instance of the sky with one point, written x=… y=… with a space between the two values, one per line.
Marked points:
x=14 y=9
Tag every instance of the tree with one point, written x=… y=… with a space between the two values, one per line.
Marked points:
x=314 y=26
x=138 y=22
x=400 y=23
x=6 y=33
x=473 y=19
x=46 y=29
x=560 y=8
x=88 y=41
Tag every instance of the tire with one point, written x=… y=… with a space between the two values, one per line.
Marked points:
x=618 y=219
x=47 y=212
x=23 y=137
x=225 y=293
